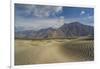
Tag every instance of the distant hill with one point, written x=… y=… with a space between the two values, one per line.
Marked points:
x=74 y=29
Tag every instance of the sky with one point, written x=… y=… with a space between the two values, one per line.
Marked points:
x=36 y=17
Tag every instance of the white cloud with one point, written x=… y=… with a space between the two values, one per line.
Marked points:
x=90 y=17
x=42 y=10
x=42 y=21
x=82 y=12
x=89 y=20
x=36 y=24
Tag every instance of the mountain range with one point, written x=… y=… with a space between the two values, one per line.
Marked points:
x=74 y=29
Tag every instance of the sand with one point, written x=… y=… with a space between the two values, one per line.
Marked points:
x=52 y=51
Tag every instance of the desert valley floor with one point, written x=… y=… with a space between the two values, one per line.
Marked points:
x=53 y=51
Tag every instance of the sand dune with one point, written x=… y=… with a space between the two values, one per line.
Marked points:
x=52 y=51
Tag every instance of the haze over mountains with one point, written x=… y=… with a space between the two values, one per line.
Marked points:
x=74 y=29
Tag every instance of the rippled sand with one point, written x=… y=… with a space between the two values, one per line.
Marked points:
x=53 y=51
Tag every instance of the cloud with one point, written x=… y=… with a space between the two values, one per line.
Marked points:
x=82 y=13
x=37 y=24
x=36 y=17
x=40 y=11
x=89 y=20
